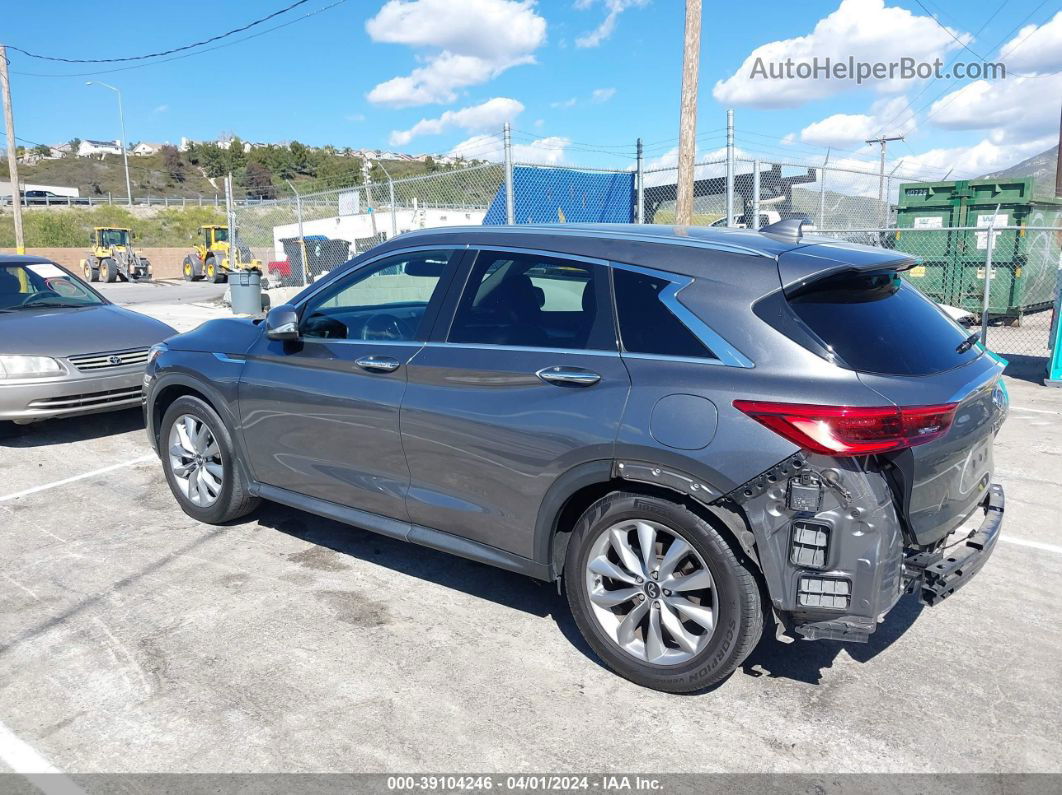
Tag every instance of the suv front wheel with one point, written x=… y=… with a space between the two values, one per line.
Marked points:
x=199 y=460
x=660 y=594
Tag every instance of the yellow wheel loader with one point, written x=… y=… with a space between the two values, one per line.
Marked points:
x=112 y=257
x=211 y=258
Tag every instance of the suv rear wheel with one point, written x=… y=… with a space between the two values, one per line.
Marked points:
x=199 y=460
x=660 y=594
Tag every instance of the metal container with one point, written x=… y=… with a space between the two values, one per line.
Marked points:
x=1024 y=263
x=245 y=287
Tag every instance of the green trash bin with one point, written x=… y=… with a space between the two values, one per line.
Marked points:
x=952 y=272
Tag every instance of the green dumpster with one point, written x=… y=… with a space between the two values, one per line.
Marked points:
x=1025 y=263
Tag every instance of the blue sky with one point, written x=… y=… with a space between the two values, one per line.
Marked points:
x=580 y=79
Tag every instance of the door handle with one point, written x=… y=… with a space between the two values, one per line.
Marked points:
x=568 y=376
x=378 y=364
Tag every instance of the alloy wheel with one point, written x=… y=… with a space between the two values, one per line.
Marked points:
x=195 y=459
x=651 y=592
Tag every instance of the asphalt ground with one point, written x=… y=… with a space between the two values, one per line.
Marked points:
x=133 y=639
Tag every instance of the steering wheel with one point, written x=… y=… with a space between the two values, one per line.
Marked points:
x=384 y=326
x=42 y=293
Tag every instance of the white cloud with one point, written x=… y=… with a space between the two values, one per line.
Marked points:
x=489 y=114
x=1035 y=48
x=887 y=116
x=571 y=102
x=608 y=24
x=162 y=109
x=546 y=151
x=1016 y=108
x=462 y=44
x=355 y=117
x=865 y=30
x=983 y=157
x=600 y=95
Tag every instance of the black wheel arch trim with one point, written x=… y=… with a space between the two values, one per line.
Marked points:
x=213 y=397
x=604 y=471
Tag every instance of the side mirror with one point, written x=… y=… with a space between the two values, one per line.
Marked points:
x=282 y=323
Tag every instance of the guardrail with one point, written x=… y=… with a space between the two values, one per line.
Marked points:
x=216 y=200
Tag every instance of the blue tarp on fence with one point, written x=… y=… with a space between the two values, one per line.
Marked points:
x=563 y=195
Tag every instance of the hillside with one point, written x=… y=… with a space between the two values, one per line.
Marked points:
x=260 y=173
x=1040 y=167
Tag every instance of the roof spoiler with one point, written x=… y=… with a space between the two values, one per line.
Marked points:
x=788 y=230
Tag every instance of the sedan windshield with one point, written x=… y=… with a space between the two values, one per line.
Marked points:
x=41 y=284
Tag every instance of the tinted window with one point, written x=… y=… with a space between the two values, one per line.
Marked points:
x=384 y=301
x=878 y=323
x=532 y=301
x=646 y=324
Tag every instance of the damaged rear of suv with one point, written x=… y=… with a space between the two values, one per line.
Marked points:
x=697 y=432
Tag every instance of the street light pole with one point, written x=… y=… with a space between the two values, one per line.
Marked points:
x=125 y=148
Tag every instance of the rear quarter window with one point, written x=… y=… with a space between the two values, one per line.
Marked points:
x=878 y=323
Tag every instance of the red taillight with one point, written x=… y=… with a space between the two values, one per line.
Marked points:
x=852 y=430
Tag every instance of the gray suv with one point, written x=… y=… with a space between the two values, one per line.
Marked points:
x=696 y=431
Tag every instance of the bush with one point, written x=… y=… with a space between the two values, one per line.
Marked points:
x=72 y=228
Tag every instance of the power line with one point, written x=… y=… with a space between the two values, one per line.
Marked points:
x=171 y=51
x=307 y=15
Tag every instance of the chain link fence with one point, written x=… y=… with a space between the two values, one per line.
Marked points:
x=300 y=237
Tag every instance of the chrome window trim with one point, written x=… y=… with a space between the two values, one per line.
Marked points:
x=725 y=353
x=338 y=341
x=538 y=252
x=485 y=346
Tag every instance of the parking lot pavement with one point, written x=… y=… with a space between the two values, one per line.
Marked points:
x=182 y=305
x=135 y=639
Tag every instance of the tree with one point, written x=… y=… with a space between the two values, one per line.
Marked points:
x=430 y=164
x=75 y=145
x=259 y=181
x=172 y=162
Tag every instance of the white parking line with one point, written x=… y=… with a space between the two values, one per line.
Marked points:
x=44 y=487
x=23 y=759
x=1021 y=542
x=1036 y=411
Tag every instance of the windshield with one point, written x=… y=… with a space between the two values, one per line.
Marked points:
x=41 y=284
x=114 y=237
x=221 y=234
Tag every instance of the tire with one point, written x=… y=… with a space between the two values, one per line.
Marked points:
x=712 y=652
x=216 y=504
x=91 y=274
x=192 y=269
x=213 y=272
x=108 y=270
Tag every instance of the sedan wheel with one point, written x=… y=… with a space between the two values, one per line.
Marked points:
x=651 y=592
x=195 y=460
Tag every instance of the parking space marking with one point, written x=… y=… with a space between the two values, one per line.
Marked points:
x=23 y=759
x=103 y=470
x=1021 y=542
x=1036 y=411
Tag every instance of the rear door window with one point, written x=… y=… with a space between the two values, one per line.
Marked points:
x=878 y=323
x=533 y=301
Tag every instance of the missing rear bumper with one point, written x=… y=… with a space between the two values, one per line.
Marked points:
x=937 y=575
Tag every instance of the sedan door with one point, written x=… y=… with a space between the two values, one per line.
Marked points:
x=320 y=415
x=526 y=384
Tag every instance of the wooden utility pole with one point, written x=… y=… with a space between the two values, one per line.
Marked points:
x=691 y=58
x=12 y=155
x=883 y=199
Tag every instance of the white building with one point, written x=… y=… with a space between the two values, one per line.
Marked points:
x=369 y=224
x=143 y=149
x=90 y=148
